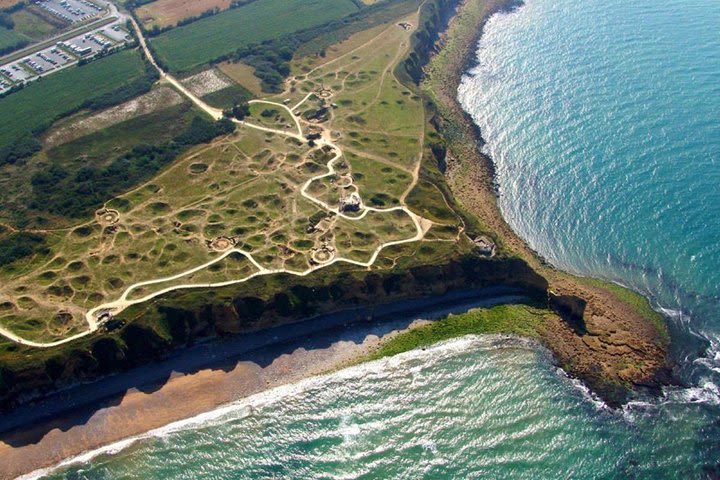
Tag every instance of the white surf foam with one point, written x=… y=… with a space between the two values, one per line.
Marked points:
x=249 y=405
x=585 y=391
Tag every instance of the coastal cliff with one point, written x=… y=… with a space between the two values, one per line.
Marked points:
x=605 y=335
x=184 y=318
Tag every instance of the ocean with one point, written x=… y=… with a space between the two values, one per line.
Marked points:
x=492 y=407
x=603 y=119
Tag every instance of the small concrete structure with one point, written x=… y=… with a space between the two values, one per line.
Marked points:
x=485 y=246
x=350 y=203
x=323 y=225
x=221 y=244
x=323 y=254
x=106 y=216
x=323 y=92
x=345 y=181
x=286 y=252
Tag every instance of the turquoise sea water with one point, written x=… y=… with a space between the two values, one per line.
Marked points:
x=604 y=121
x=470 y=408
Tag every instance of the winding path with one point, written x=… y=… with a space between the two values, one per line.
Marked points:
x=117 y=306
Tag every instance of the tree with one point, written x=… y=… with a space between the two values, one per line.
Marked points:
x=238 y=111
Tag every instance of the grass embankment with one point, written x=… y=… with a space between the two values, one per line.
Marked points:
x=522 y=320
x=62 y=93
x=204 y=40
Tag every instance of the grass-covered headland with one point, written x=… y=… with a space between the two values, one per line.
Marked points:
x=364 y=76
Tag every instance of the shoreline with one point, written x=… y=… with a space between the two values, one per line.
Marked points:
x=491 y=341
x=611 y=339
x=184 y=394
x=208 y=376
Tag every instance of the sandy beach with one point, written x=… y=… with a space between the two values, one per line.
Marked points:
x=207 y=376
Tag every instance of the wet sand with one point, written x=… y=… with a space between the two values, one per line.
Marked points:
x=86 y=417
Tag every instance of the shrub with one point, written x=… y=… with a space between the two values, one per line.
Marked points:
x=23 y=147
x=76 y=194
x=20 y=245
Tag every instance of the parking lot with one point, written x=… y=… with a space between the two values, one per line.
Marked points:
x=115 y=33
x=72 y=11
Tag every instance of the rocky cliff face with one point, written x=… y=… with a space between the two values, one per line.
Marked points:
x=163 y=327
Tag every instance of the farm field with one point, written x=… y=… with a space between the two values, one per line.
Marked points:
x=260 y=201
x=244 y=75
x=41 y=102
x=30 y=23
x=191 y=45
x=10 y=39
x=163 y=13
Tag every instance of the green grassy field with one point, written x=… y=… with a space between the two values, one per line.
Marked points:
x=61 y=93
x=10 y=39
x=199 y=42
x=97 y=149
x=516 y=319
x=227 y=97
x=31 y=25
x=245 y=190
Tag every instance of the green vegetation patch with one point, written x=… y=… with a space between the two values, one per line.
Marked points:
x=19 y=245
x=228 y=97
x=77 y=194
x=96 y=150
x=210 y=38
x=381 y=184
x=271 y=116
x=36 y=23
x=155 y=127
x=427 y=200
x=512 y=319
x=10 y=40
x=29 y=23
x=36 y=106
